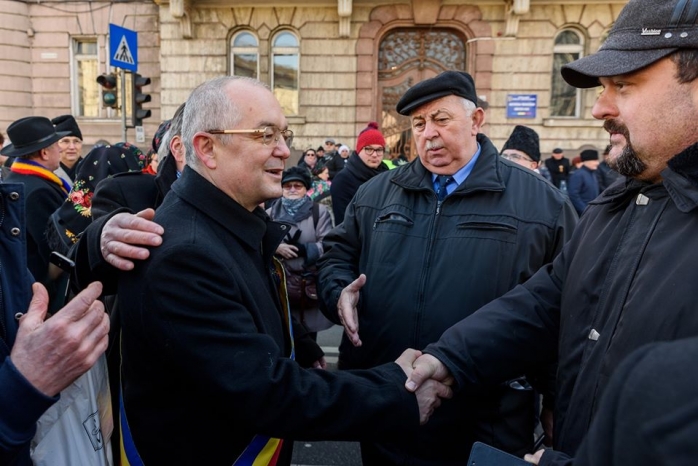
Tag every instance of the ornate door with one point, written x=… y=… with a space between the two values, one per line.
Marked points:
x=406 y=57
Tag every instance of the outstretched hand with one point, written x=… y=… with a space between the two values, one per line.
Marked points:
x=346 y=309
x=52 y=353
x=430 y=392
x=125 y=236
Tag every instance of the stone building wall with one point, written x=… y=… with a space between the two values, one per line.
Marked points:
x=35 y=63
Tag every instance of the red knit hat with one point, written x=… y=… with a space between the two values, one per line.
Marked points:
x=370 y=136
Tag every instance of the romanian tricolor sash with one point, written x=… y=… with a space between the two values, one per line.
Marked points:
x=29 y=167
x=262 y=450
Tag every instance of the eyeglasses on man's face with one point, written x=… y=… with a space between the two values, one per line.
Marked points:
x=513 y=156
x=267 y=134
x=371 y=150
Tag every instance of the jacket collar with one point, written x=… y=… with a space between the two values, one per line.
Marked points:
x=486 y=174
x=253 y=229
x=362 y=171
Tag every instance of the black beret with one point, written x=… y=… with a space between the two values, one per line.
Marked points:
x=447 y=83
x=67 y=123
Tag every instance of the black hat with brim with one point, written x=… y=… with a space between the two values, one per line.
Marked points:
x=447 y=83
x=645 y=32
x=29 y=135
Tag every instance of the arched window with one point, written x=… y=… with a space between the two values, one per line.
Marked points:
x=244 y=55
x=285 y=61
x=565 y=100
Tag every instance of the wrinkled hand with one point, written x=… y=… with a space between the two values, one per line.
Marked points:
x=346 y=309
x=535 y=458
x=424 y=368
x=430 y=393
x=287 y=251
x=52 y=353
x=125 y=235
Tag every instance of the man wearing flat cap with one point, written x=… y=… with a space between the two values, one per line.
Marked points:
x=426 y=244
x=37 y=155
x=71 y=147
x=627 y=277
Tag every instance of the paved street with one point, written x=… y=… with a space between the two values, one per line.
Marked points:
x=327 y=453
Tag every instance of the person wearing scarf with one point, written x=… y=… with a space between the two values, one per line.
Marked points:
x=360 y=168
x=302 y=246
x=37 y=154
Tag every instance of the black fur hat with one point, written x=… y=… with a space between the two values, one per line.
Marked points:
x=526 y=140
x=297 y=174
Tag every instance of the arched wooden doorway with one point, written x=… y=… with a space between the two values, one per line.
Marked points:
x=407 y=56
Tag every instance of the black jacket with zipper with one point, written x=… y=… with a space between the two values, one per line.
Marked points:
x=428 y=266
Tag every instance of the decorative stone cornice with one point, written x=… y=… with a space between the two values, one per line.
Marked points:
x=181 y=10
x=515 y=9
x=344 y=9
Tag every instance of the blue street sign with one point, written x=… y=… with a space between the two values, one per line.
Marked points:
x=522 y=105
x=123 y=48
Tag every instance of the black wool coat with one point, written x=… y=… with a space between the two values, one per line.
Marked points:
x=205 y=352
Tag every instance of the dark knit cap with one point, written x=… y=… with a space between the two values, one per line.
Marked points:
x=645 y=31
x=589 y=154
x=296 y=173
x=67 y=123
x=526 y=140
x=447 y=83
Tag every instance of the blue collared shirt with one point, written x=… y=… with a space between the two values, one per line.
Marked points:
x=460 y=176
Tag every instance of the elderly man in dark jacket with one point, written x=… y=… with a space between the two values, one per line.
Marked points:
x=626 y=278
x=207 y=347
x=37 y=155
x=414 y=256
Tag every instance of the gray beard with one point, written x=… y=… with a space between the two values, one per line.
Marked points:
x=628 y=163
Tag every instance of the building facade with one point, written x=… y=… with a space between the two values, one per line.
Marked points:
x=334 y=66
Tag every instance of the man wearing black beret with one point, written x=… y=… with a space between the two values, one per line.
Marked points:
x=426 y=244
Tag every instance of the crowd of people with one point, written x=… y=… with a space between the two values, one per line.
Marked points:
x=483 y=292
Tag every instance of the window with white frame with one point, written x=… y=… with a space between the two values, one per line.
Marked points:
x=85 y=66
x=285 y=61
x=565 y=100
x=244 y=55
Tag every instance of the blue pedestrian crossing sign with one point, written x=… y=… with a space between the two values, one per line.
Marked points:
x=123 y=48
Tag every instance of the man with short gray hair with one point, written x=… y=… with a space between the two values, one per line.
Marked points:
x=426 y=244
x=207 y=344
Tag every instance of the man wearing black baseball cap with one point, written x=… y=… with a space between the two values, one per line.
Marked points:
x=627 y=276
x=425 y=245
x=37 y=154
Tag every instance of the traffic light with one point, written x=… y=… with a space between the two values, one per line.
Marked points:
x=109 y=93
x=138 y=113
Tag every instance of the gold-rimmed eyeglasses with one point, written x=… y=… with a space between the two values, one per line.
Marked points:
x=267 y=134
